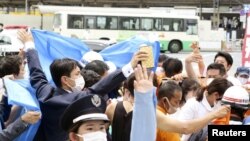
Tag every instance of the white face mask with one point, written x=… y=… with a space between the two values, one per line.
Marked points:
x=79 y=84
x=171 y=108
x=94 y=136
x=242 y=80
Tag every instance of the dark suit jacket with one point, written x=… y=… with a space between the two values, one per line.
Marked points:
x=53 y=101
x=4 y=110
x=13 y=130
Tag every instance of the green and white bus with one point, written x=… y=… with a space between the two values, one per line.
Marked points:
x=175 y=32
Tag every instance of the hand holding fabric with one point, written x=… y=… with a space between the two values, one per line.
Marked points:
x=31 y=117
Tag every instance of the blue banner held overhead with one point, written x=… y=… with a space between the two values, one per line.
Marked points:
x=51 y=46
x=121 y=53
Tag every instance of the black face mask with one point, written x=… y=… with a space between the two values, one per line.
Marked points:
x=1 y=30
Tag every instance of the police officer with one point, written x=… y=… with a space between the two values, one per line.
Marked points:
x=85 y=119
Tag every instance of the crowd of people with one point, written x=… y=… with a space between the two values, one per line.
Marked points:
x=89 y=103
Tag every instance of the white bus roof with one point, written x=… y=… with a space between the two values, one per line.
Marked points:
x=150 y=15
x=52 y=9
x=133 y=11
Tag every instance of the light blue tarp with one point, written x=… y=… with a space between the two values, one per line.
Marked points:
x=22 y=94
x=52 y=46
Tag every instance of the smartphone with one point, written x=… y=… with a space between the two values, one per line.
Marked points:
x=149 y=63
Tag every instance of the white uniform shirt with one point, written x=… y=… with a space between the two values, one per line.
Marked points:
x=234 y=81
x=194 y=109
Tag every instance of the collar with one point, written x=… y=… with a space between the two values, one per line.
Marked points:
x=161 y=109
x=205 y=103
x=60 y=91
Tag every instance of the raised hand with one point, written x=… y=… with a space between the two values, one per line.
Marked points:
x=24 y=36
x=139 y=56
x=31 y=117
x=222 y=111
x=143 y=82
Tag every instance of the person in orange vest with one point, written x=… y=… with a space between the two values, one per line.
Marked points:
x=238 y=98
x=239 y=104
x=169 y=97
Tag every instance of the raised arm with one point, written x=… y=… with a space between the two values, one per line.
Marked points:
x=114 y=79
x=38 y=79
x=144 y=108
x=186 y=127
x=194 y=58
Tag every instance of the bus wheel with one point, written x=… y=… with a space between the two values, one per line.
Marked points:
x=174 y=47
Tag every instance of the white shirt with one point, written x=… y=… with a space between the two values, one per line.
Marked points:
x=234 y=81
x=194 y=109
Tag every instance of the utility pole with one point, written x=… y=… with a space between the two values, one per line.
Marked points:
x=141 y=4
x=83 y=3
x=27 y=7
x=216 y=14
x=200 y=10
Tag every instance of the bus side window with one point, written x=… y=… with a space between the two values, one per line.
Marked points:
x=167 y=25
x=191 y=26
x=178 y=25
x=113 y=23
x=78 y=24
x=147 y=24
x=157 y=24
x=75 y=21
x=89 y=22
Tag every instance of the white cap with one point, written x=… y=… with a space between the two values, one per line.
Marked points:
x=236 y=96
x=91 y=56
x=112 y=66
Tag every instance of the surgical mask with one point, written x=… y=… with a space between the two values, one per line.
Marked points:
x=94 y=136
x=171 y=109
x=242 y=80
x=79 y=84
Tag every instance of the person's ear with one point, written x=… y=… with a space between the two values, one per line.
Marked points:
x=73 y=136
x=64 y=80
x=228 y=67
x=165 y=102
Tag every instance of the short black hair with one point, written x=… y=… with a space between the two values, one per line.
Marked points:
x=97 y=66
x=219 y=85
x=172 y=66
x=168 y=89
x=1 y=24
x=61 y=67
x=217 y=66
x=162 y=57
x=225 y=55
x=187 y=85
x=90 y=77
x=10 y=65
